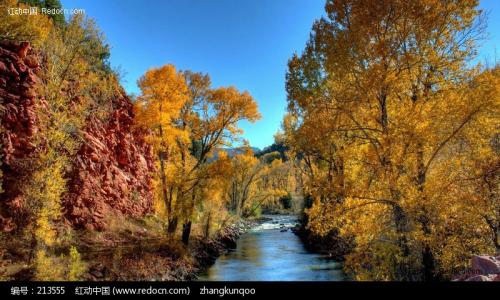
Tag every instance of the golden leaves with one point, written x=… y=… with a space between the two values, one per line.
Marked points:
x=188 y=123
x=33 y=28
x=164 y=93
x=386 y=118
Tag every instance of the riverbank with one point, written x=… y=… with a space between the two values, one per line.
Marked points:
x=206 y=251
x=165 y=259
x=139 y=250
x=130 y=250
x=331 y=244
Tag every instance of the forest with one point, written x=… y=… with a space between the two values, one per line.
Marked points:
x=389 y=151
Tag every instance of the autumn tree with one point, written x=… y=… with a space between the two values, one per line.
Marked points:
x=75 y=82
x=58 y=19
x=32 y=28
x=72 y=73
x=191 y=120
x=164 y=93
x=250 y=182
x=381 y=103
x=217 y=124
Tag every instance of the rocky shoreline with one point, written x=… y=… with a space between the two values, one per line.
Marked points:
x=167 y=260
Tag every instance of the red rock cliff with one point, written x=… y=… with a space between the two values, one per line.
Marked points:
x=18 y=68
x=111 y=172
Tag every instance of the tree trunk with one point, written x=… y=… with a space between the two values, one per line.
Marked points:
x=496 y=240
x=186 y=227
x=495 y=229
x=428 y=260
x=172 y=225
x=166 y=199
x=402 y=227
x=172 y=220
x=382 y=99
x=207 y=225
x=186 y=232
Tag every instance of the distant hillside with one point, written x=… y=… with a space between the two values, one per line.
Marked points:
x=275 y=147
x=234 y=151
x=279 y=148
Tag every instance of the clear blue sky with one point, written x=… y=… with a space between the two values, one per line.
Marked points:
x=245 y=43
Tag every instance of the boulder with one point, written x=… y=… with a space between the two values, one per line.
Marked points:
x=24 y=47
x=31 y=61
x=3 y=67
x=486 y=264
x=483 y=268
x=478 y=278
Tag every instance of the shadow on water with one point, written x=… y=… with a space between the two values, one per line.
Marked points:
x=272 y=252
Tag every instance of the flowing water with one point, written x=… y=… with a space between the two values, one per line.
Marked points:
x=272 y=252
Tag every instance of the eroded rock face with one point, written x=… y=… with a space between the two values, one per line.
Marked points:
x=18 y=104
x=111 y=172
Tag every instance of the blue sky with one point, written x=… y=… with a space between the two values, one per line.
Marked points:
x=244 y=43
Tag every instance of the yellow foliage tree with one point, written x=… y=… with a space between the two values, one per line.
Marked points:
x=32 y=28
x=75 y=79
x=188 y=121
x=384 y=114
x=164 y=93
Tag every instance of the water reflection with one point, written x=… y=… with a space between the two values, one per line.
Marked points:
x=271 y=252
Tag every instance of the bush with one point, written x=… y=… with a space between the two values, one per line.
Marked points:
x=286 y=201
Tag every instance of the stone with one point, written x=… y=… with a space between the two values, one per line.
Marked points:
x=13 y=70
x=94 y=157
x=31 y=61
x=97 y=274
x=23 y=49
x=478 y=278
x=28 y=93
x=3 y=68
x=486 y=264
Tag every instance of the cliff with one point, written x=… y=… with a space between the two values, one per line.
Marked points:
x=18 y=105
x=111 y=173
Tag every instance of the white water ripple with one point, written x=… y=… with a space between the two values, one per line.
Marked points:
x=277 y=222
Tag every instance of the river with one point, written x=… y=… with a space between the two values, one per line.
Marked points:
x=272 y=252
